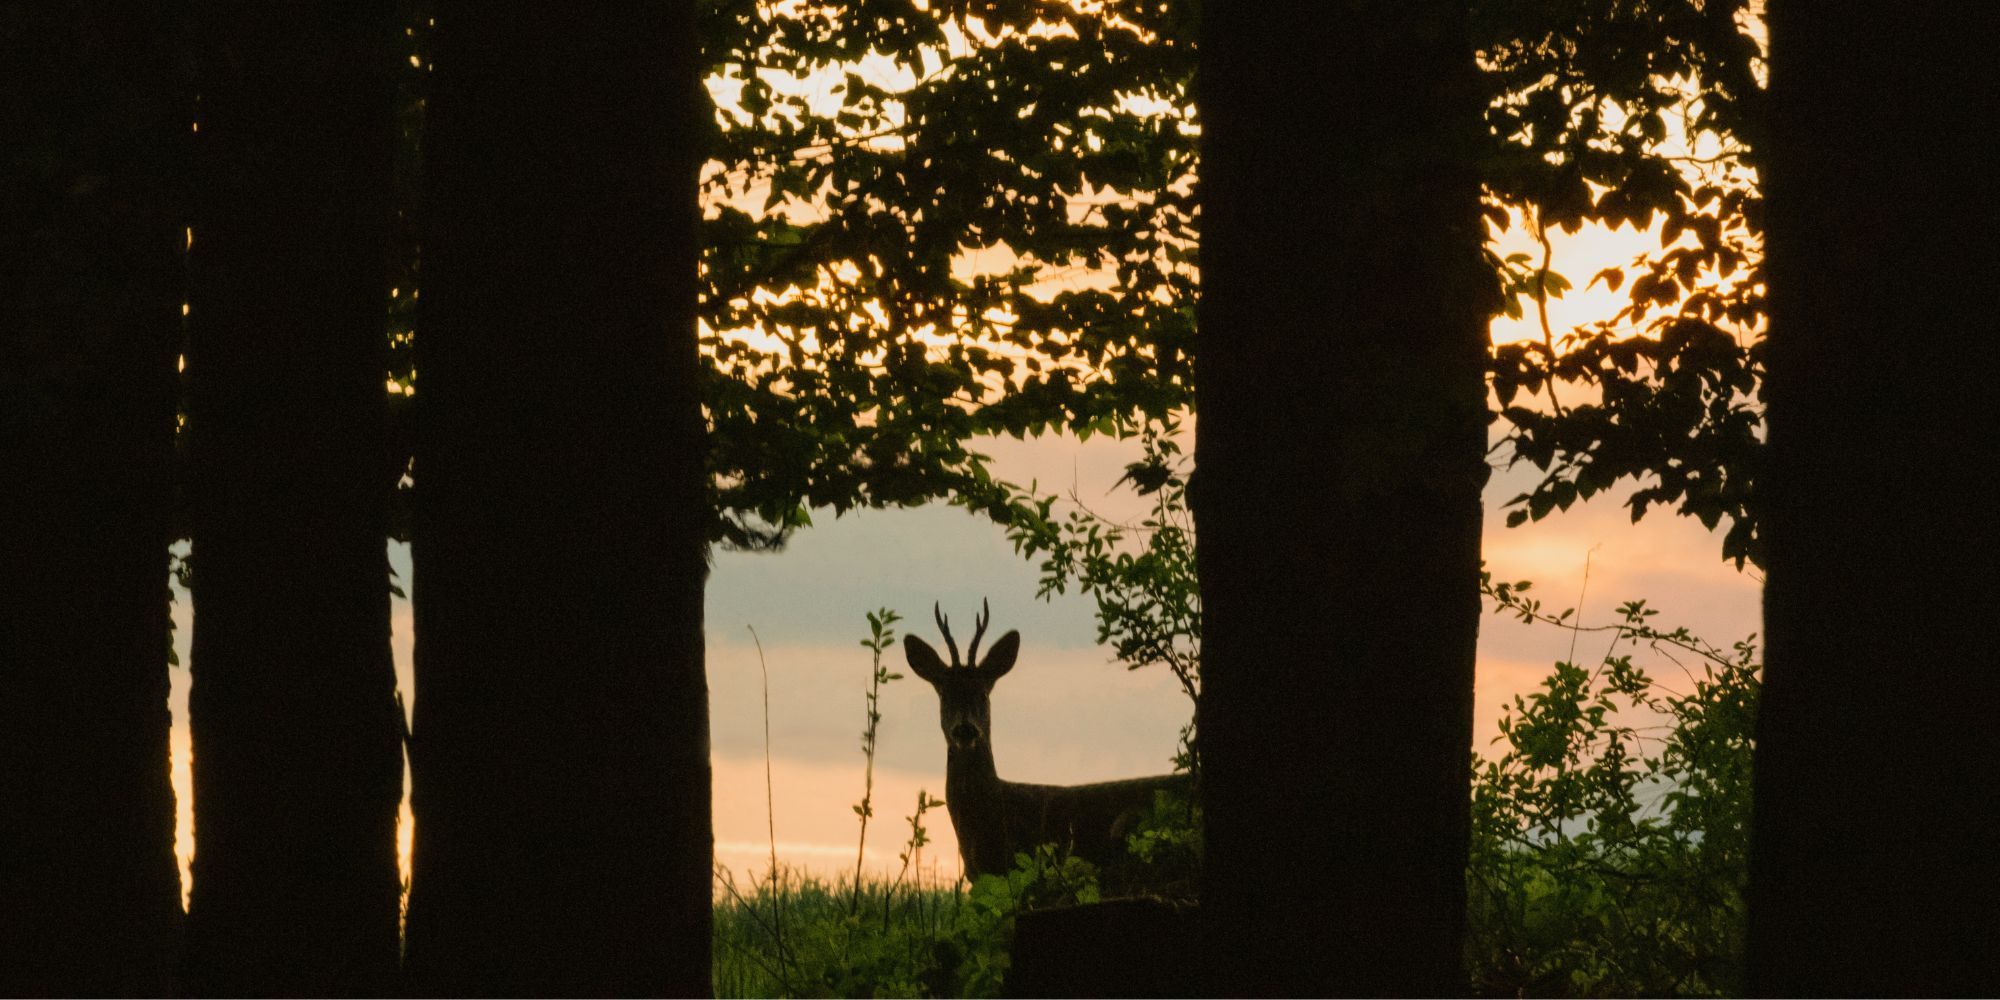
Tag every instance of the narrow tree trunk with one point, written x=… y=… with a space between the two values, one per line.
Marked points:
x=297 y=754
x=560 y=763
x=94 y=108
x=1339 y=452
x=1873 y=869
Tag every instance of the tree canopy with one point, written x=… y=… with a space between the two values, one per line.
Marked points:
x=962 y=219
x=929 y=222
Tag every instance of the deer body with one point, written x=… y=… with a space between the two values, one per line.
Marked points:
x=996 y=819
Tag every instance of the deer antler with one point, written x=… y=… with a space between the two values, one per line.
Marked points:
x=944 y=626
x=979 y=629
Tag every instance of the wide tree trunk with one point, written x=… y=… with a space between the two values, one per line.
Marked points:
x=1873 y=869
x=560 y=758
x=95 y=110
x=297 y=749
x=1339 y=457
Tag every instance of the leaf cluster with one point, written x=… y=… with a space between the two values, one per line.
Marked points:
x=1167 y=842
x=994 y=230
x=929 y=222
x=881 y=636
x=925 y=222
x=1599 y=109
x=1610 y=836
x=1142 y=577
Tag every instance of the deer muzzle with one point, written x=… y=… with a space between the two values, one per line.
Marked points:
x=964 y=736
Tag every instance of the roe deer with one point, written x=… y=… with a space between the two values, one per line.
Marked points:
x=995 y=819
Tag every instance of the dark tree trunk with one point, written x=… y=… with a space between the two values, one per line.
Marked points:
x=298 y=758
x=1339 y=449
x=561 y=749
x=1873 y=869
x=94 y=109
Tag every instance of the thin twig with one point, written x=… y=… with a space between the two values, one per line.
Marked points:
x=1542 y=308
x=1580 y=594
x=770 y=801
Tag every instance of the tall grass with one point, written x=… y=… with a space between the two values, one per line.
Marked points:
x=795 y=934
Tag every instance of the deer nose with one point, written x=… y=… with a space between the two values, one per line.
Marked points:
x=964 y=734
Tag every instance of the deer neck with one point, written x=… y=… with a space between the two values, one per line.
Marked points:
x=969 y=774
x=972 y=795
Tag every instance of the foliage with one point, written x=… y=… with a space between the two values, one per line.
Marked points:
x=1148 y=598
x=924 y=222
x=928 y=222
x=1167 y=845
x=1636 y=114
x=920 y=836
x=1673 y=406
x=881 y=636
x=936 y=221
x=1046 y=878
x=958 y=219
x=1610 y=838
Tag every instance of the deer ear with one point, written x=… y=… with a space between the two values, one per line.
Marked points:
x=1000 y=658
x=923 y=659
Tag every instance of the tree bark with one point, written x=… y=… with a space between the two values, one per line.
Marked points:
x=1872 y=862
x=298 y=756
x=95 y=107
x=1339 y=453
x=560 y=756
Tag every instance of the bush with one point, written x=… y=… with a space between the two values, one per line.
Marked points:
x=1610 y=839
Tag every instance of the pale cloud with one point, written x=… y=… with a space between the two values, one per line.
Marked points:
x=817 y=831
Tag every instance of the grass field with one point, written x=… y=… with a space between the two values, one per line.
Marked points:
x=803 y=936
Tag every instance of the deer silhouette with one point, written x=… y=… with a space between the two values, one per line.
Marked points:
x=995 y=819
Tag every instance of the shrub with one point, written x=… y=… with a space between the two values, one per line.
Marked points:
x=1610 y=838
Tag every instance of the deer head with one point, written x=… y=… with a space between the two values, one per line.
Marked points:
x=964 y=689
